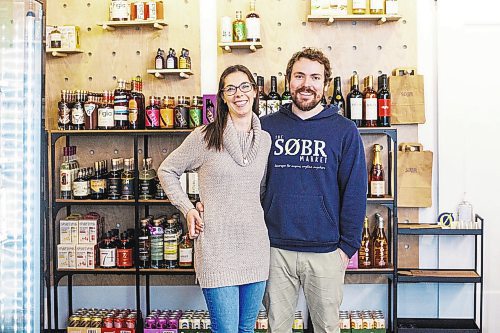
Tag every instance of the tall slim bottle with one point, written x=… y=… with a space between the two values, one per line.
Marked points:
x=273 y=98
x=380 y=245
x=262 y=96
x=383 y=103
x=355 y=102
x=65 y=176
x=120 y=104
x=369 y=103
x=252 y=23
x=127 y=177
x=376 y=176
x=157 y=243
x=286 y=97
x=136 y=105
x=365 y=254
x=145 y=244
x=338 y=98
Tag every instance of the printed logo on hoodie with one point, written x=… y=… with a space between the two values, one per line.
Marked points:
x=305 y=150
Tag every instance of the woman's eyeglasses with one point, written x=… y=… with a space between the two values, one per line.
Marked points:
x=244 y=88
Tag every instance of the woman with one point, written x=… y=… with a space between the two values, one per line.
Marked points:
x=232 y=245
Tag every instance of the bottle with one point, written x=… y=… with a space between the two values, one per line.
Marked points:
x=98 y=182
x=377 y=7
x=124 y=252
x=181 y=113
x=144 y=244
x=195 y=112
x=365 y=255
x=120 y=106
x=65 y=176
x=147 y=175
x=391 y=7
x=192 y=185
x=107 y=252
x=369 y=103
x=337 y=98
x=359 y=7
x=159 y=192
x=64 y=112
x=168 y=115
x=157 y=243
x=185 y=252
x=286 y=97
x=106 y=119
x=376 y=177
x=159 y=60
x=226 y=29
x=152 y=119
x=183 y=62
x=262 y=96
x=355 y=102
x=55 y=38
x=210 y=111
x=252 y=23
x=170 y=244
x=77 y=113
x=136 y=105
x=115 y=179
x=383 y=103
x=273 y=98
x=171 y=59
x=127 y=178
x=119 y=10
x=80 y=186
x=239 y=29
x=90 y=111
x=380 y=245
x=465 y=214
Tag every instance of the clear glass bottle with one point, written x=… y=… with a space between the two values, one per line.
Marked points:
x=170 y=244
x=114 y=180
x=147 y=175
x=380 y=245
x=252 y=23
x=157 y=243
x=145 y=243
x=127 y=177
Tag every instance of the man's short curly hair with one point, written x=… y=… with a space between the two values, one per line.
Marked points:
x=314 y=55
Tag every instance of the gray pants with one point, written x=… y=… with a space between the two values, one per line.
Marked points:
x=322 y=277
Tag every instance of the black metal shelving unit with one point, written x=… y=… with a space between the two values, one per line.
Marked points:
x=52 y=273
x=458 y=276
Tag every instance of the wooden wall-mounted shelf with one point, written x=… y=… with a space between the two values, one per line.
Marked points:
x=161 y=73
x=112 y=25
x=62 y=52
x=252 y=46
x=380 y=19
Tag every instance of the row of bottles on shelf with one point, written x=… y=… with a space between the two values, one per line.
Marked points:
x=126 y=108
x=136 y=10
x=359 y=7
x=161 y=244
x=97 y=183
x=170 y=61
x=374 y=250
x=104 y=318
x=240 y=30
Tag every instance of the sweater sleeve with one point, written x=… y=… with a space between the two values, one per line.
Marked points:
x=188 y=156
x=352 y=181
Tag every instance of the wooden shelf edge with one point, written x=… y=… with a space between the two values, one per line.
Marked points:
x=111 y=25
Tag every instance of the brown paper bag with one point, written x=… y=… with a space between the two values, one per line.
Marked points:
x=407 y=97
x=414 y=176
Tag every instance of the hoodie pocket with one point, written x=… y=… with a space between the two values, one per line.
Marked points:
x=302 y=218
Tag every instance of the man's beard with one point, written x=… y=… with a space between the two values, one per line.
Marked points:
x=306 y=106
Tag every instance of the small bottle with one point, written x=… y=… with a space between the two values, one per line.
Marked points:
x=90 y=111
x=380 y=245
x=355 y=102
x=170 y=244
x=124 y=252
x=119 y=10
x=365 y=255
x=262 y=96
x=181 y=113
x=171 y=59
x=114 y=180
x=152 y=114
x=157 y=243
x=273 y=98
x=107 y=252
x=159 y=193
x=159 y=60
x=192 y=185
x=136 y=105
x=80 y=186
x=377 y=7
x=185 y=252
x=144 y=244
x=226 y=29
x=65 y=176
x=359 y=7
x=286 y=97
x=183 y=59
x=252 y=23
x=147 y=175
x=98 y=182
x=77 y=113
x=55 y=38
x=239 y=29
x=127 y=178
x=376 y=176
x=64 y=112
x=383 y=103
x=391 y=7
x=106 y=119
x=120 y=106
x=369 y=103
x=195 y=112
x=338 y=98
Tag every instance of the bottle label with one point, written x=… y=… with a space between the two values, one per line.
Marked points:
x=159 y=63
x=377 y=188
x=105 y=117
x=356 y=108
x=124 y=257
x=192 y=187
x=286 y=101
x=127 y=187
x=377 y=4
x=253 y=28
x=157 y=244
x=107 y=257
x=181 y=117
x=182 y=62
x=120 y=113
x=194 y=117
x=371 y=108
x=115 y=186
x=273 y=105
x=358 y=4
x=65 y=180
x=384 y=107
x=239 y=32
x=152 y=118
x=140 y=10
x=98 y=185
x=119 y=10
x=89 y=109
x=80 y=189
x=226 y=30
x=144 y=248
x=145 y=188
x=170 y=246
x=170 y=63
x=167 y=118
x=152 y=10
x=133 y=111
x=391 y=7
x=64 y=114
x=185 y=256
x=262 y=108
x=77 y=114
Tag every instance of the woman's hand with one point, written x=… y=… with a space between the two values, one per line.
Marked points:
x=194 y=223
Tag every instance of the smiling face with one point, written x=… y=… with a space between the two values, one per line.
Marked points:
x=240 y=104
x=307 y=85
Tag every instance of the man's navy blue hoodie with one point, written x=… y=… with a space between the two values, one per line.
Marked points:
x=315 y=199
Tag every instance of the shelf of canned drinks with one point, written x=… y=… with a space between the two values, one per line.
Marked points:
x=366 y=321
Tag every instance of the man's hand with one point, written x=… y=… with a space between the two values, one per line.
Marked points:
x=194 y=223
x=344 y=257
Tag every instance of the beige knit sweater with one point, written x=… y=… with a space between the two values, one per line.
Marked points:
x=234 y=247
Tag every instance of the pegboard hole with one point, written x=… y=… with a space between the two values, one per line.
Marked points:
x=380 y=72
x=137 y=28
x=113 y=53
x=255 y=75
x=88 y=4
x=330 y=48
x=405 y=46
x=279 y=48
x=66 y=79
x=114 y=78
x=139 y=151
x=404 y=21
x=304 y=24
x=186 y=1
x=89 y=29
x=90 y=78
x=407 y=246
x=279 y=24
x=91 y=152
x=138 y=52
x=379 y=47
x=116 y=152
x=65 y=5
x=280 y=74
x=303 y=47
x=90 y=54
x=354 y=47
x=164 y=151
x=186 y=26
x=354 y=22
x=354 y=72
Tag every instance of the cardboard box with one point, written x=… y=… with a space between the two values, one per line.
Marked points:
x=70 y=37
x=66 y=256
x=86 y=256
x=209 y=108
x=68 y=231
x=88 y=231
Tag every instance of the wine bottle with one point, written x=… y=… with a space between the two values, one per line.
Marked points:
x=365 y=254
x=273 y=98
x=376 y=177
x=380 y=245
x=355 y=102
x=383 y=103
x=369 y=103
x=337 y=98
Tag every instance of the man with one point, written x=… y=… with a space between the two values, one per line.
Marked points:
x=315 y=198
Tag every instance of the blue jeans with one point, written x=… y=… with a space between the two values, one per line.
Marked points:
x=235 y=308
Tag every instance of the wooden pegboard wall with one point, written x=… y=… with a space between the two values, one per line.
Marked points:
x=123 y=53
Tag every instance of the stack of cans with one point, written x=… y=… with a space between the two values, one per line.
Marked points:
x=195 y=320
x=345 y=321
x=177 y=319
x=103 y=318
x=262 y=322
x=359 y=320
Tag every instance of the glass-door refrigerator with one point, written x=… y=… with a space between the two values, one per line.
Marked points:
x=21 y=27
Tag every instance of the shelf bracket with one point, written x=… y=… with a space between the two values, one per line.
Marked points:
x=330 y=21
x=382 y=20
x=158 y=26
x=159 y=76
x=58 y=54
x=253 y=48
x=227 y=48
x=184 y=75
x=107 y=27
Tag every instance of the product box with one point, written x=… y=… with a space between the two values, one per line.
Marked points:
x=70 y=37
x=66 y=256
x=209 y=108
x=320 y=7
x=86 y=256
x=353 y=262
x=68 y=231
x=88 y=231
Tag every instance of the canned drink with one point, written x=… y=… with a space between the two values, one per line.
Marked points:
x=195 y=116
x=161 y=322
x=345 y=323
x=85 y=321
x=119 y=322
x=108 y=322
x=196 y=323
x=368 y=323
x=184 y=323
x=356 y=323
x=263 y=324
x=130 y=322
x=181 y=114
x=379 y=323
x=150 y=322
x=74 y=321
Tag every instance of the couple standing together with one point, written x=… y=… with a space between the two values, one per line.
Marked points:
x=283 y=200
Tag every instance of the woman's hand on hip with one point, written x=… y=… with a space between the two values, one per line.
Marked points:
x=194 y=222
